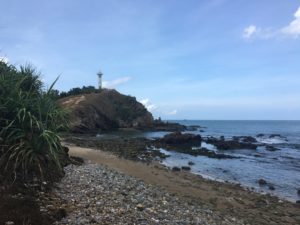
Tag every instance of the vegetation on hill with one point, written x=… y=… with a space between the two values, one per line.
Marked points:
x=56 y=94
x=30 y=120
x=78 y=91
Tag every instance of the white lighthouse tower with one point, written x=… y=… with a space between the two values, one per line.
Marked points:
x=100 y=74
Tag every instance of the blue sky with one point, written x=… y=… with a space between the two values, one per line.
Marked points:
x=193 y=59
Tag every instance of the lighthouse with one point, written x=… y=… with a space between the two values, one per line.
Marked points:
x=100 y=74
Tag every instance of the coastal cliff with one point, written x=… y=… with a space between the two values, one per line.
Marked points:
x=105 y=111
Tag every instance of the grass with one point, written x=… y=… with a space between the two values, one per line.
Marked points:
x=30 y=122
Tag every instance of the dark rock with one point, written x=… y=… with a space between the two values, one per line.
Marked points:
x=271 y=148
x=140 y=149
x=212 y=154
x=230 y=144
x=298 y=201
x=298 y=192
x=247 y=139
x=271 y=187
x=260 y=135
x=66 y=149
x=64 y=156
x=191 y=163
x=176 y=169
x=186 y=168
x=262 y=182
x=178 y=138
x=199 y=151
x=60 y=213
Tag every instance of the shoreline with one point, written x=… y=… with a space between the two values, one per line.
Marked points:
x=225 y=198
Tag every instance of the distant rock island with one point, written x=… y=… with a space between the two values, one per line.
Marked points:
x=106 y=110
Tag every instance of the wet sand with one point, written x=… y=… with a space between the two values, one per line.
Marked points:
x=224 y=198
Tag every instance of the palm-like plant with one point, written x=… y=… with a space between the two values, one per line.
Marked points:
x=30 y=120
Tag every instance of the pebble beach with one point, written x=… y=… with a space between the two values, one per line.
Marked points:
x=107 y=189
x=97 y=195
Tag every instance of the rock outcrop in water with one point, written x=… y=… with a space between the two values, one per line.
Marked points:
x=188 y=144
x=105 y=111
x=236 y=143
x=178 y=138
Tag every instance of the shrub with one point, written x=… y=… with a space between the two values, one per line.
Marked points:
x=30 y=120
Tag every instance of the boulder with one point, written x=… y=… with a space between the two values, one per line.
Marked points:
x=186 y=168
x=191 y=163
x=60 y=213
x=176 y=169
x=178 y=138
x=271 y=187
x=262 y=182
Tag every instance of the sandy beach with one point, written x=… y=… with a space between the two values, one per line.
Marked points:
x=223 y=199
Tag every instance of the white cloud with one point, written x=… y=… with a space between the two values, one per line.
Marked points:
x=292 y=30
x=149 y=106
x=4 y=59
x=249 y=31
x=116 y=82
x=173 y=112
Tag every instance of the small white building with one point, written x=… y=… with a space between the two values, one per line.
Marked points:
x=100 y=74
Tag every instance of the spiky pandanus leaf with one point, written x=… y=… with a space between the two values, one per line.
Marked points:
x=29 y=124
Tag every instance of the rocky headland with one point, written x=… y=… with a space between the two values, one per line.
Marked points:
x=106 y=110
x=111 y=110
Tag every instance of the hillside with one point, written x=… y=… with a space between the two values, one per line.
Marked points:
x=105 y=111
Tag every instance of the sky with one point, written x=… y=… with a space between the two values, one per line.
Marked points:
x=192 y=59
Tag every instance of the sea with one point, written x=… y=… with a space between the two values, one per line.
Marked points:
x=280 y=169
